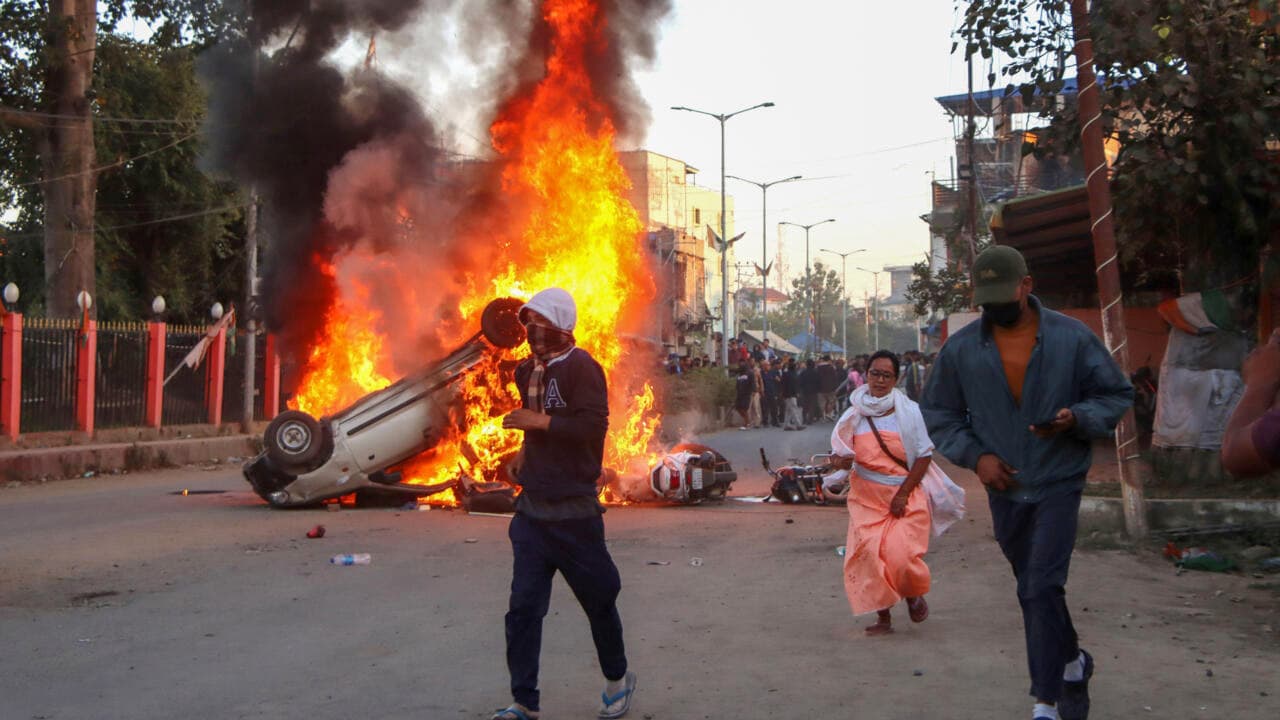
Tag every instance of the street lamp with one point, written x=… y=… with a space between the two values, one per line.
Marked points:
x=764 y=249
x=844 y=298
x=723 y=239
x=876 y=274
x=808 y=282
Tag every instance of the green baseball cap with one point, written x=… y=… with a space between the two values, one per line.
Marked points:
x=997 y=272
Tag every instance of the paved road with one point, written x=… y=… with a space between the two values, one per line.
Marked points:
x=120 y=599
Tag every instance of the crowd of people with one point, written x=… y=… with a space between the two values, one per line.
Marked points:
x=773 y=391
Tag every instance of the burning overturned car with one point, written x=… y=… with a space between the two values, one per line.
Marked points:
x=309 y=460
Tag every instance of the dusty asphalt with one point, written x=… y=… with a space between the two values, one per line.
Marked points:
x=119 y=599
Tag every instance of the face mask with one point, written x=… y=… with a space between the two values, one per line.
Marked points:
x=1003 y=314
x=547 y=341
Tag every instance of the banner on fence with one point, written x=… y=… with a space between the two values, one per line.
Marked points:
x=196 y=356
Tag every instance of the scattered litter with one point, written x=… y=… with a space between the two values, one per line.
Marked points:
x=351 y=559
x=410 y=506
x=234 y=459
x=89 y=474
x=186 y=491
x=918 y=673
x=750 y=499
x=492 y=514
x=472 y=540
x=840 y=551
x=1208 y=672
x=84 y=640
x=424 y=508
x=696 y=562
x=316 y=532
x=658 y=562
x=790 y=521
x=1198 y=558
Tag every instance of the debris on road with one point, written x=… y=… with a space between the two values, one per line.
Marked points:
x=840 y=551
x=696 y=562
x=1198 y=558
x=658 y=562
x=351 y=559
x=691 y=473
x=316 y=532
x=471 y=540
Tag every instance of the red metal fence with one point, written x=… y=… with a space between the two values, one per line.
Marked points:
x=61 y=375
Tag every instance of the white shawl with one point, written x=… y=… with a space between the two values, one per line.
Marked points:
x=946 y=499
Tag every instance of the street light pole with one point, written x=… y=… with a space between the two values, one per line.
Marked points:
x=808 y=278
x=764 y=248
x=724 y=240
x=844 y=298
x=876 y=275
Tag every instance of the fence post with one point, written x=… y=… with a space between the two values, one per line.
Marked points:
x=154 y=411
x=271 y=379
x=86 y=375
x=11 y=376
x=216 y=376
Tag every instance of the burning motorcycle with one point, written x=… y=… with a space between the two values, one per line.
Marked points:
x=795 y=484
x=308 y=460
x=691 y=473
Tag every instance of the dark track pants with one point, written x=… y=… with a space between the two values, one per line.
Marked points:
x=1037 y=538
x=576 y=548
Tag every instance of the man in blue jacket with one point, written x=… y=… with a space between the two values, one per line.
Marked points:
x=558 y=524
x=1018 y=397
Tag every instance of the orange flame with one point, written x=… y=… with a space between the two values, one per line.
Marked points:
x=558 y=163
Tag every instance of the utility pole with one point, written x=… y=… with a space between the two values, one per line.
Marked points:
x=808 y=276
x=844 y=299
x=971 y=129
x=876 y=300
x=251 y=275
x=723 y=240
x=764 y=247
x=1110 y=296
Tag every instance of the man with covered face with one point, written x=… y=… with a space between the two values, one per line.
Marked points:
x=1018 y=397
x=564 y=415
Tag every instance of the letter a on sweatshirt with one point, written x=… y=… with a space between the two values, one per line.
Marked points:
x=554 y=399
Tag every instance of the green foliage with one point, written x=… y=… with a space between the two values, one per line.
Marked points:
x=945 y=291
x=703 y=390
x=826 y=292
x=1190 y=93
x=140 y=250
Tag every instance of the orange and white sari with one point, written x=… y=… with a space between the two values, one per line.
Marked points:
x=884 y=556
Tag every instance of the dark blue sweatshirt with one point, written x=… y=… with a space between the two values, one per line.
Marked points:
x=565 y=460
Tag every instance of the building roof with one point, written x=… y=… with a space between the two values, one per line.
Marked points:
x=819 y=345
x=985 y=103
x=776 y=341
x=773 y=296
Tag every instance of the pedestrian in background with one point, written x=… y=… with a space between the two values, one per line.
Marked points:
x=1251 y=443
x=557 y=526
x=744 y=386
x=810 y=382
x=792 y=418
x=772 y=398
x=1018 y=397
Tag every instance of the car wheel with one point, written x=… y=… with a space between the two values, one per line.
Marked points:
x=500 y=322
x=293 y=440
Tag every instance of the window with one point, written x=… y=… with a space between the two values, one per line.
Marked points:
x=697 y=216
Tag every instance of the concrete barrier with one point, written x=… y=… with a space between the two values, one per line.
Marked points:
x=1107 y=514
x=75 y=460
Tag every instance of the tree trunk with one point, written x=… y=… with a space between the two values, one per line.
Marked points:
x=67 y=156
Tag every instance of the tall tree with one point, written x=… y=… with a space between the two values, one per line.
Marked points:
x=1191 y=95
x=48 y=105
x=825 y=290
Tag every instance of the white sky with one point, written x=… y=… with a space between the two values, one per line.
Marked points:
x=850 y=80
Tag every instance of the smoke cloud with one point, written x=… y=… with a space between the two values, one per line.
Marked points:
x=355 y=167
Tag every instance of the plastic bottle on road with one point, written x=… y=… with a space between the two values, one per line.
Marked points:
x=351 y=559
